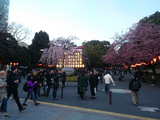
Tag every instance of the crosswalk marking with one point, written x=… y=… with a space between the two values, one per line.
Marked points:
x=119 y=90
x=149 y=109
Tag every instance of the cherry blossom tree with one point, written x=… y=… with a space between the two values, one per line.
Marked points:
x=58 y=49
x=140 y=44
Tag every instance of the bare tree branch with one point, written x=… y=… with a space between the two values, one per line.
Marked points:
x=18 y=31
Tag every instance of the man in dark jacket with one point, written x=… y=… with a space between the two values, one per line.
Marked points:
x=134 y=86
x=92 y=81
x=55 y=84
x=12 y=82
x=63 y=78
x=40 y=79
x=49 y=77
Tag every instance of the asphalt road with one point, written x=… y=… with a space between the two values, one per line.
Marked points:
x=149 y=105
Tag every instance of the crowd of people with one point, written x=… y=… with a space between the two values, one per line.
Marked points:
x=92 y=78
x=40 y=82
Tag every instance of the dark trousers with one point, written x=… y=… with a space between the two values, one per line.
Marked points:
x=48 y=90
x=35 y=91
x=92 y=90
x=81 y=94
x=55 y=92
x=63 y=83
x=4 y=105
x=107 y=88
x=14 y=91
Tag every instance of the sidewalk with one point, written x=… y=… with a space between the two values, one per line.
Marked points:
x=51 y=111
x=71 y=107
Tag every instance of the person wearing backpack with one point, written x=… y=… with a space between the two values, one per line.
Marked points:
x=30 y=90
x=134 y=86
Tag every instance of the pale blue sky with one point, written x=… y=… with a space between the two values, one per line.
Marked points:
x=85 y=19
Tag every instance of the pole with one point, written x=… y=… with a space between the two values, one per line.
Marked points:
x=62 y=91
x=44 y=86
x=84 y=94
x=110 y=97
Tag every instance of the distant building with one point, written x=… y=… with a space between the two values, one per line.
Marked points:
x=72 y=58
x=23 y=44
x=4 y=12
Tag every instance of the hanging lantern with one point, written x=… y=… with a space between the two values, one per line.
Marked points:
x=154 y=59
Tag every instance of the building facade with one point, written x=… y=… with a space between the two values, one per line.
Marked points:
x=4 y=12
x=72 y=58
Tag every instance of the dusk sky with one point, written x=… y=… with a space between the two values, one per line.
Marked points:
x=85 y=19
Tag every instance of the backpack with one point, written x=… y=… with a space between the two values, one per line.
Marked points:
x=135 y=86
x=85 y=83
x=26 y=87
x=54 y=82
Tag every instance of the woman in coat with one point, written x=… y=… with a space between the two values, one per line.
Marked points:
x=83 y=82
x=55 y=85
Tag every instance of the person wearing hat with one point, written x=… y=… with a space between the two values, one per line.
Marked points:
x=12 y=87
x=134 y=86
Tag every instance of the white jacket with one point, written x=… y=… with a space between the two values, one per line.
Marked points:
x=108 y=79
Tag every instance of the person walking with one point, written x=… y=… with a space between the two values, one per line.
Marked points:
x=92 y=81
x=12 y=86
x=55 y=85
x=40 y=79
x=49 y=77
x=97 y=80
x=63 y=79
x=82 y=84
x=108 y=79
x=134 y=86
x=120 y=75
x=153 y=80
x=3 y=93
x=30 y=91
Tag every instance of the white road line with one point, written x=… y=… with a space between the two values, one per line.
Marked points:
x=149 y=109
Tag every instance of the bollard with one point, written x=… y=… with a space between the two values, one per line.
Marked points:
x=110 y=97
x=44 y=86
x=62 y=91
x=84 y=94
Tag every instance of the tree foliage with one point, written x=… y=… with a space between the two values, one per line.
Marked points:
x=140 y=44
x=10 y=51
x=155 y=18
x=95 y=49
x=8 y=47
x=40 y=41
